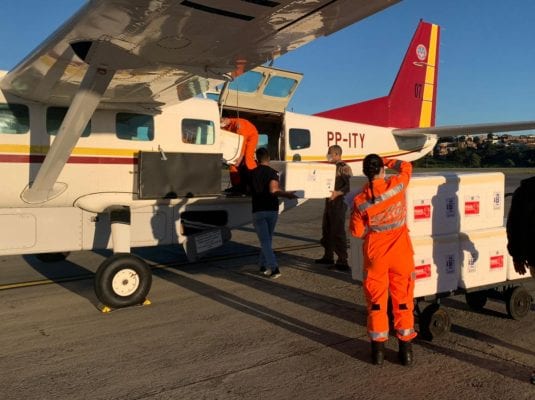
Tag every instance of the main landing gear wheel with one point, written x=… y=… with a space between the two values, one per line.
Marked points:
x=518 y=302
x=123 y=280
x=476 y=300
x=434 y=322
x=52 y=257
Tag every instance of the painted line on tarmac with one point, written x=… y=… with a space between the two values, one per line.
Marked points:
x=74 y=278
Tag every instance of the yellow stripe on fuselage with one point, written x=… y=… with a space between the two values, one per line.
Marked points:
x=429 y=87
x=43 y=150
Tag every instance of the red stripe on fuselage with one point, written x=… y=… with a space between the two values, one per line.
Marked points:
x=38 y=159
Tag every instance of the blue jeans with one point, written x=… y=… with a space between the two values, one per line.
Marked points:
x=264 y=225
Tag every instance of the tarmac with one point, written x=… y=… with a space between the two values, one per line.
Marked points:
x=218 y=330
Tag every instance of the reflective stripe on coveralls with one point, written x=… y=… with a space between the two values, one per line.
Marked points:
x=389 y=227
x=385 y=196
x=405 y=332
x=378 y=336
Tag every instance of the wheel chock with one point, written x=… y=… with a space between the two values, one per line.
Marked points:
x=107 y=309
x=104 y=309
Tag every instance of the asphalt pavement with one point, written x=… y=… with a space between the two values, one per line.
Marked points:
x=218 y=330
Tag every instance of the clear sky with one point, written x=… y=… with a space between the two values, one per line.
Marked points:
x=487 y=56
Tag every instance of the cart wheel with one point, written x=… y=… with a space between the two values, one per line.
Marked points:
x=476 y=300
x=518 y=302
x=434 y=322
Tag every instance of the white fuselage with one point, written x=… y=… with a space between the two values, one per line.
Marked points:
x=102 y=171
x=356 y=140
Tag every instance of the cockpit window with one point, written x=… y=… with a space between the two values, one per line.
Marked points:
x=134 y=127
x=198 y=131
x=247 y=82
x=212 y=96
x=14 y=118
x=54 y=118
x=280 y=86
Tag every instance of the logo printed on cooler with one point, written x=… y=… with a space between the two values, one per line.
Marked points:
x=423 y=271
x=471 y=205
x=422 y=211
x=421 y=52
x=472 y=262
x=496 y=261
x=451 y=207
x=497 y=200
x=450 y=264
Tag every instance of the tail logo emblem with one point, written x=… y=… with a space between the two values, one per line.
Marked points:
x=421 y=52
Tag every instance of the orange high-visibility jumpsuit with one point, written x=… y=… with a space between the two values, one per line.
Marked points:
x=388 y=253
x=250 y=136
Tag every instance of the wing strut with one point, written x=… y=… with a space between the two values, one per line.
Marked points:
x=84 y=103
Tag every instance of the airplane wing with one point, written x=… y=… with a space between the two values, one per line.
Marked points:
x=164 y=51
x=455 y=130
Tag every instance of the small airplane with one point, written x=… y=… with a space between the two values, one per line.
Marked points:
x=105 y=142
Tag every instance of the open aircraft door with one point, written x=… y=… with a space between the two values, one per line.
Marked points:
x=261 y=96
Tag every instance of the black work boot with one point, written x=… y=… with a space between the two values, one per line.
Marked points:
x=378 y=353
x=405 y=352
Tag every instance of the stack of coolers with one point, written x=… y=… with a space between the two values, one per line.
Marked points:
x=456 y=223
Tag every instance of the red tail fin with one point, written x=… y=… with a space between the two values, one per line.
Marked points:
x=412 y=99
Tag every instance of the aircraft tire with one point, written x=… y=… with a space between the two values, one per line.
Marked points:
x=518 y=302
x=123 y=280
x=52 y=257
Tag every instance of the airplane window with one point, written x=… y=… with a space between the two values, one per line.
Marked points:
x=198 y=131
x=14 y=118
x=212 y=96
x=299 y=139
x=263 y=141
x=138 y=127
x=54 y=118
x=279 y=86
x=247 y=82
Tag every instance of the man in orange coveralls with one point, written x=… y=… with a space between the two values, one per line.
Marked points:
x=379 y=217
x=249 y=132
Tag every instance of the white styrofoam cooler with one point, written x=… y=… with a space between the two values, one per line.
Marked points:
x=456 y=227
x=436 y=264
x=436 y=261
x=481 y=200
x=448 y=203
x=432 y=206
x=310 y=180
x=483 y=257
